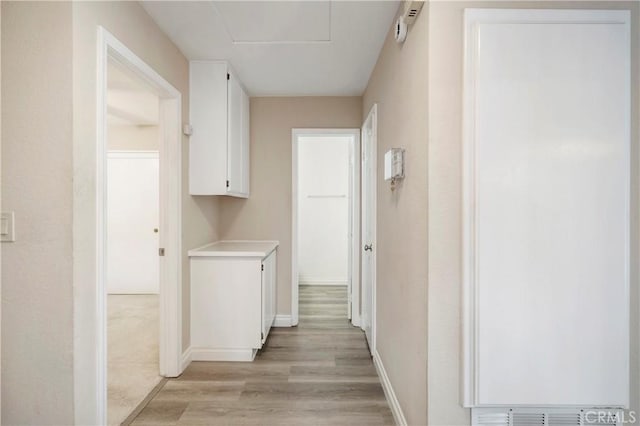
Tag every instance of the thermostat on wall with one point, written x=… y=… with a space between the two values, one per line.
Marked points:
x=394 y=164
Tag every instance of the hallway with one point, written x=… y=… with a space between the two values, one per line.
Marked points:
x=319 y=373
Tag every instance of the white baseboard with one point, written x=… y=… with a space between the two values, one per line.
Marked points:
x=394 y=404
x=282 y=321
x=355 y=320
x=206 y=354
x=186 y=359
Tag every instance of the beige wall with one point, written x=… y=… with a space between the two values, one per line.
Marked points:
x=445 y=136
x=132 y=138
x=266 y=214
x=399 y=86
x=128 y=22
x=37 y=302
x=48 y=179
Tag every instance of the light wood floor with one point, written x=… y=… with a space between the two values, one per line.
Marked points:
x=319 y=373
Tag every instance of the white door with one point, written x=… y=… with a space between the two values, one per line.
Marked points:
x=547 y=154
x=369 y=174
x=132 y=223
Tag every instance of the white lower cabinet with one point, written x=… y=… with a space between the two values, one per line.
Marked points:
x=233 y=299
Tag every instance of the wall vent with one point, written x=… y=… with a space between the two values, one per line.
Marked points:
x=527 y=419
x=564 y=419
x=531 y=416
x=493 y=419
x=412 y=10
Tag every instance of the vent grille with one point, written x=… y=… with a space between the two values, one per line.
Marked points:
x=493 y=419
x=412 y=11
x=527 y=419
x=546 y=417
x=564 y=419
x=602 y=418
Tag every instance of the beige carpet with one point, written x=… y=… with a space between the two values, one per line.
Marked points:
x=132 y=368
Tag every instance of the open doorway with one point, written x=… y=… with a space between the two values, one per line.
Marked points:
x=138 y=198
x=133 y=221
x=326 y=218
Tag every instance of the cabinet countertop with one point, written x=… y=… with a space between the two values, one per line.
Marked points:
x=235 y=249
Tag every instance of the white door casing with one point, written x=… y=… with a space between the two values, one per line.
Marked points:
x=93 y=353
x=368 y=249
x=354 y=220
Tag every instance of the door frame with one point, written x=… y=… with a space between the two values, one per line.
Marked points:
x=354 y=219
x=373 y=116
x=170 y=148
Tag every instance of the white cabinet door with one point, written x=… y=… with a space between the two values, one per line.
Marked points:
x=268 y=294
x=273 y=272
x=234 y=143
x=246 y=157
x=546 y=241
x=208 y=143
x=219 y=145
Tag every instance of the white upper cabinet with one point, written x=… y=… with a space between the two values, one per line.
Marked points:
x=219 y=145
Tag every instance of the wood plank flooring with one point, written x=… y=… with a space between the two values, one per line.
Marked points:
x=318 y=373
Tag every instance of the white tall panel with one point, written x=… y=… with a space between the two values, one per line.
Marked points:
x=546 y=268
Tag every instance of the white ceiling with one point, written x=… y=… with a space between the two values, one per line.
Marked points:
x=283 y=48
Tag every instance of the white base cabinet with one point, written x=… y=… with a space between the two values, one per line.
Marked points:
x=233 y=297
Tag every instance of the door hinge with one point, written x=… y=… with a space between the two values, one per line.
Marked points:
x=161 y=252
x=227 y=184
x=228 y=76
x=261 y=336
x=262 y=267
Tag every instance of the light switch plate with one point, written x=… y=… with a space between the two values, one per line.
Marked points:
x=7 y=227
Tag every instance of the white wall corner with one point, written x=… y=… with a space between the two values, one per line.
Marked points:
x=282 y=321
x=389 y=393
